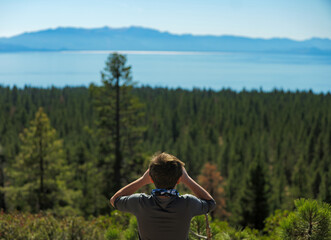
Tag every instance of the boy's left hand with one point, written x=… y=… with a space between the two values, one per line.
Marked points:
x=131 y=188
x=146 y=178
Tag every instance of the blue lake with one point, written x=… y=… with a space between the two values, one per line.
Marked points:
x=172 y=69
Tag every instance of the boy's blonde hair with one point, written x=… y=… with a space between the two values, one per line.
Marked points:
x=165 y=170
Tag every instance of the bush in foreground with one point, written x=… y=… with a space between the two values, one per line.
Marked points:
x=45 y=226
x=311 y=220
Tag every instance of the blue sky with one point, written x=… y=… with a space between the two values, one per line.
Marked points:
x=296 y=19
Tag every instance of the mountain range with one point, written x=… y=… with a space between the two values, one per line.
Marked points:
x=145 y=39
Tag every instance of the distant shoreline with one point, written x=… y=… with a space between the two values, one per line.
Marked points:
x=225 y=89
x=167 y=52
x=143 y=52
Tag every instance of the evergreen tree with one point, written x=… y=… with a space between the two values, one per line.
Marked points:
x=325 y=188
x=119 y=116
x=254 y=197
x=300 y=186
x=37 y=176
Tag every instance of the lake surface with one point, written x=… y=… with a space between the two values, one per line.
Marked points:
x=172 y=69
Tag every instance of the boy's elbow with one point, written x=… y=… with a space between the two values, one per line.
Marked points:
x=212 y=205
x=112 y=200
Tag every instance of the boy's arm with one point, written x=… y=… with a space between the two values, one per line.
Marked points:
x=131 y=188
x=198 y=191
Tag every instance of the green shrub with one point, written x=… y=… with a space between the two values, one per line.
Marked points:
x=132 y=232
x=272 y=224
x=113 y=234
x=221 y=230
x=310 y=221
x=198 y=226
x=120 y=219
x=47 y=227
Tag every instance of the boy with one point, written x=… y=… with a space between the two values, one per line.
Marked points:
x=164 y=215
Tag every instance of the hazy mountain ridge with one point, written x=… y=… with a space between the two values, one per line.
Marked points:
x=138 y=38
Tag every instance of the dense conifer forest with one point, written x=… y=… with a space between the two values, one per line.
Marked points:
x=65 y=151
x=282 y=137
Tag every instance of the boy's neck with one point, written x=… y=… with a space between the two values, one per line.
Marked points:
x=164 y=192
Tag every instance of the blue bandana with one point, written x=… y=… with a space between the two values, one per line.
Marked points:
x=165 y=192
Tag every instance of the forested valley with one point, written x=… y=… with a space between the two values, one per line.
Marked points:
x=255 y=151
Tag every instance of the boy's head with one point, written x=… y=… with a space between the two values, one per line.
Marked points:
x=165 y=170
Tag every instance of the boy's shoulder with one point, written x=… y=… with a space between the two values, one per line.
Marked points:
x=139 y=195
x=139 y=203
x=188 y=196
x=144 y=196
x=149 y=196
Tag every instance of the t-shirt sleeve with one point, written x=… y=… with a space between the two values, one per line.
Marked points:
x=127 y=203
x=200 y=206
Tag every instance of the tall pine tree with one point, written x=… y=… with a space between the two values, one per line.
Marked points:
x=119 y=116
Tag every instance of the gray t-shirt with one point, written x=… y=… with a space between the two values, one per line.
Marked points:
x=164 y=218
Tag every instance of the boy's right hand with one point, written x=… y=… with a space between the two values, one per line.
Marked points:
x=198 y=191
